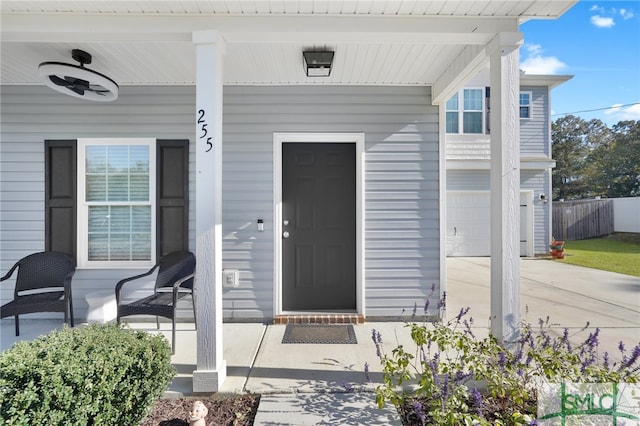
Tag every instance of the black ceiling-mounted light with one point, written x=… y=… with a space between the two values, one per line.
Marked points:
x=78 y=81
x=318 y=63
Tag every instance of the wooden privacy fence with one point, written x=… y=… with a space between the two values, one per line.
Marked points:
x=579 y=220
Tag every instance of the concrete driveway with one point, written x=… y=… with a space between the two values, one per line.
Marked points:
x=569 y=295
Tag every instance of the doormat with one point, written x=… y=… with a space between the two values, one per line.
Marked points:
x=320 y=334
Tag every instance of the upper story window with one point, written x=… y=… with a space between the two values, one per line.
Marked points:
x=465 y=112
x=116 y=202
x=525 y=104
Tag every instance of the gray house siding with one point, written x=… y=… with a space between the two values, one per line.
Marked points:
x=535 y=146
x=539 y=182
x=31 y=114
x=401 y=186
x=534 y=132
x=401 y=177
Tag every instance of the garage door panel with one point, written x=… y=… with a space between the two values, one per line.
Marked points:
x=469 y=222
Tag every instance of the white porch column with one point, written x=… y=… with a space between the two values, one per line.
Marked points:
x=211 y=369
x=505 y=184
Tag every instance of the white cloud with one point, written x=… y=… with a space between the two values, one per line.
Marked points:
x=602 y=21
x=613 y=109
x=533 y=49
x=626 y=14
x=595 y=7
x=538 y=64
x=620 y=113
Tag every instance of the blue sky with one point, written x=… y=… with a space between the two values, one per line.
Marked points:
x=599 y=44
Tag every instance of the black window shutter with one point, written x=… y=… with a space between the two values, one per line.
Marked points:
x=60 y=196
x=172 y=193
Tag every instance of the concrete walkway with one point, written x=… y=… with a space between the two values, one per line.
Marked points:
x=303 y=384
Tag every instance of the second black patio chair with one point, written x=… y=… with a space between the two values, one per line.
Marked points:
x=174 y=281
x=43 y=284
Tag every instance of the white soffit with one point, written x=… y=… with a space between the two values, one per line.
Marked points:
x=149 y=42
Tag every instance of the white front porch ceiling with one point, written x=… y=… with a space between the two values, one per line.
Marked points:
x=376 y=42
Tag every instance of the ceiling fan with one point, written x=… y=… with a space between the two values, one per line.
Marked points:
x=78 y=81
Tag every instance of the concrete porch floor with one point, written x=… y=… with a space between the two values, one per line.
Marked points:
x=298 y=380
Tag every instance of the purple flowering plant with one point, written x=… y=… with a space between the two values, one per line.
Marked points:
x=451 y=377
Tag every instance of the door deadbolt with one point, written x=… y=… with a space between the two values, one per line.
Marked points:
x=285 y=234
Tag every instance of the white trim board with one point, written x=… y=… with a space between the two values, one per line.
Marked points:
x=280 y=138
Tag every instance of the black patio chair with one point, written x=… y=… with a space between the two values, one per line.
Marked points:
x=174 y=281
x=43 y=284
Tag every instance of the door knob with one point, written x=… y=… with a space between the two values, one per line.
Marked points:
x=285 y=234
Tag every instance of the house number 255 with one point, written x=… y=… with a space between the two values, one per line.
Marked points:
x=203 y=128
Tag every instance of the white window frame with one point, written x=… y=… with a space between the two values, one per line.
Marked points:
x=461 y=111
x=83 y=206
x=457 y=111
x=530 y=105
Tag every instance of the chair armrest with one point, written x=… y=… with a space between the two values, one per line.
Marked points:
x=126 y=280
x=177 y=288
x=177 y=284
x=8 y=274
x=67 y=283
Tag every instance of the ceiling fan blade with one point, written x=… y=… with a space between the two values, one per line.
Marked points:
x=100 y=90
x=78 y=82
x=78 y=90
x=59 y=81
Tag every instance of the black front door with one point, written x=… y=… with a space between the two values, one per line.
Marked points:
x=319 y=227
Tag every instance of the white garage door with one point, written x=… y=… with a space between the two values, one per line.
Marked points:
x=469 y=223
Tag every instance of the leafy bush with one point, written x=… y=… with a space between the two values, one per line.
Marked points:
x=451 y=377
x=94 y=375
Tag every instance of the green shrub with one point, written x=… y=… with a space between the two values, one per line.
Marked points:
x=93 y=375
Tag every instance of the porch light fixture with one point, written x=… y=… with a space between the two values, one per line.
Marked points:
x=318 y=63
x=78 y=81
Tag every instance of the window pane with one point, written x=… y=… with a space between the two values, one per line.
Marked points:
x=118 y=159
x=452 y=122
x=139 y=187
x=141 y=219
x=473 y=99
x=118 y=174
x=524 y=99
x=524 y=112
x=139 y=159
x=98 y=219
x=98 y=246
x=141 y=247
x=472 y=122
x=452 y=103
x=120 y=247
x=120 y=219
x=96 y=188
x=96 y=161
x=118 y=188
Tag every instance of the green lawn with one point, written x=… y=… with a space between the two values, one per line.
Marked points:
x=609 y=254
